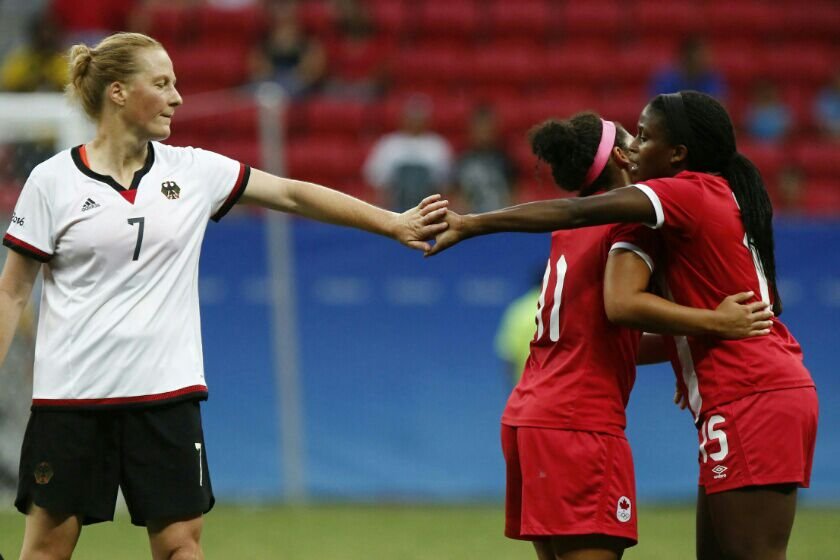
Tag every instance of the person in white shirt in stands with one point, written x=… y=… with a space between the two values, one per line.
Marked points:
x=118 y=225
x=413 y=162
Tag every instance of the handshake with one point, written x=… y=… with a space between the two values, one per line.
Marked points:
x=431 y=220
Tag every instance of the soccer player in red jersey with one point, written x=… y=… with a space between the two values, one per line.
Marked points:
x=753 y=401
x=570 y=481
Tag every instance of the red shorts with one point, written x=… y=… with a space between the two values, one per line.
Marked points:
x=565 y=482
x=764 y=438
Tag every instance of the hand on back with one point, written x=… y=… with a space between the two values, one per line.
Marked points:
x=737 y=319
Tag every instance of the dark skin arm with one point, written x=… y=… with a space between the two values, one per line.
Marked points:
x=627 y=302
x=624 y=205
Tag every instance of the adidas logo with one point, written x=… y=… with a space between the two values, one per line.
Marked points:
x=89 y=204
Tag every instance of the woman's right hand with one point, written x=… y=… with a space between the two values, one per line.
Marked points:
x=738 y=320
x=454 y=233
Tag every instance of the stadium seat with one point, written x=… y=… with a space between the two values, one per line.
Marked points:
x=325 y=159
x=666 y=18
x=818 y=158
x=209 y=67
x=821 y=197
x=746 y=19
x=324 y=116
x=391 y=18
x=767 y=157
x=525 y=18
x=810 y=63
x=316 y=17
x=579 y=64
x=240 y=27
x=815 y=19
x=595 y=18
x=501 y=63
x=445 y=18
x=433 y=64
x=173 y=26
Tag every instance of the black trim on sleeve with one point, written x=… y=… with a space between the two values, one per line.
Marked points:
x=25 y=249
x=235 y=194
x=107 y=179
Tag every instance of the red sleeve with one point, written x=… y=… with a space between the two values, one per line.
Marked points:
x=677 y=202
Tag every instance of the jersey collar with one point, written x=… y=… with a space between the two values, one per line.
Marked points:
x=80 y=159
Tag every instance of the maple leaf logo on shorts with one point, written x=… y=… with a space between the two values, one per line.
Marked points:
x=623 y=511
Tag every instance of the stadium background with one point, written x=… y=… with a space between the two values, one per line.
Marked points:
x=345 y=368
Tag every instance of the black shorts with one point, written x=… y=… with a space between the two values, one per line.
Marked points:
x=73 y=461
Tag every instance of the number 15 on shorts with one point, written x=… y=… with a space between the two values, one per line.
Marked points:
x=708 y=434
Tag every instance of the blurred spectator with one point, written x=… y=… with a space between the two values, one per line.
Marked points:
x=288 y=56
x=485 y=174
x=790 y=187
x=92 y=20
x=40 y=64
x=517 y=328
x=827 y=108
x=358 y=57
x=413 y=162
x=693 y=71
x=767 y=118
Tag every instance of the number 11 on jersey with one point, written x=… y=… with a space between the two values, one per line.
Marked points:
x=554 y=317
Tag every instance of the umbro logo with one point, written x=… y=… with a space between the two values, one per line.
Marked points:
x=719 y=471
x=89 y=204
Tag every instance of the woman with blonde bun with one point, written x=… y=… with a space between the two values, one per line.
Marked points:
x=117 y=224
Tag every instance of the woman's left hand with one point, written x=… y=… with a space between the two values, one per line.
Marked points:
x=415 y=226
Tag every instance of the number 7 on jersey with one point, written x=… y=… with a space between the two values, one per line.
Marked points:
x=140 y=221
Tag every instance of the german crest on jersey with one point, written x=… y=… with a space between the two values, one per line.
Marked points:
x=170 y=190
x=623 y=510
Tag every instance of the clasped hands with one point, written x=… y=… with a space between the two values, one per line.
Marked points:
x=430 y=220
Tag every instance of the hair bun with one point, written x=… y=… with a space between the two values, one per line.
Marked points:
x=80 y=58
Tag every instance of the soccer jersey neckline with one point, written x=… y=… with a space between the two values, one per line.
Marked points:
x=80 y=159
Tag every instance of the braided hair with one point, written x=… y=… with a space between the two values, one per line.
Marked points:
x=702 y=124
x=569 y=148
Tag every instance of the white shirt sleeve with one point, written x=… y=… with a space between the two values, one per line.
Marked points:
x=32 y=230
x=225 y=180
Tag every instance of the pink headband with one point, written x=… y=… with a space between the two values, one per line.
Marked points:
x=603 y=153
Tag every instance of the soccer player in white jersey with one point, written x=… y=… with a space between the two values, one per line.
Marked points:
x=118 y=225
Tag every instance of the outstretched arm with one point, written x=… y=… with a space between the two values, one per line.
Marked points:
x=627 y=204
x=627 y=302
x=412 y=227
x=16 y=283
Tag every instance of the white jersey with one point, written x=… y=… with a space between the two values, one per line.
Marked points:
x=119 y=320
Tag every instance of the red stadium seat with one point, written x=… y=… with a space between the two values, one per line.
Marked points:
x=811 y=63
x=810 y=20
x=524 y=18
x=449 y=113
x=209 y=67
x=580 y=64
x=666 y=18
x=768 y=157
x=392 y=18
x=433 y=65
x=445 y=18
x=741 y=61
x=636 y=63
x=241 y=27
x=325 y=159
x=820 y=159
x=745 y=19
x=515 y=64
x=821 y=197
x=595 y=18
x=316 y=17
x=173 y=26
x=334 y=116
x=559 y=104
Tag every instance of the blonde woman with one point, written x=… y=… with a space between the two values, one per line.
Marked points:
x=117 y=224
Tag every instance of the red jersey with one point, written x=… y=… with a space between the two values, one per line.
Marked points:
x=581 y=367
x=705 y=259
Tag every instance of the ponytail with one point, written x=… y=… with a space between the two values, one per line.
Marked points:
x=757 y=216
